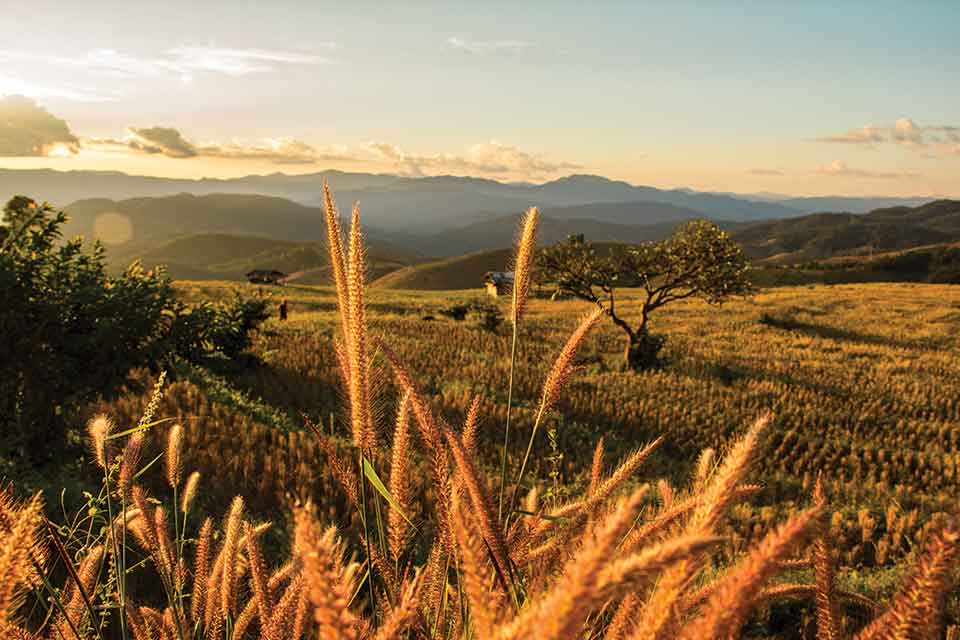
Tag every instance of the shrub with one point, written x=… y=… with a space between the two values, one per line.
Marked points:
x=70 y=332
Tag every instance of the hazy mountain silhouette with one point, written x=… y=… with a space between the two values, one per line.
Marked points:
x=393 y=202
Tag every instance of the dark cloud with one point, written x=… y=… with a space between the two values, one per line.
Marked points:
x=165 y=140
x=27 y=129
x=172 y=144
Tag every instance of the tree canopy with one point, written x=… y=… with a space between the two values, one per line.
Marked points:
x=698 y=260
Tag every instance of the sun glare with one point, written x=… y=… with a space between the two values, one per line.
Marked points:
x=59 y=151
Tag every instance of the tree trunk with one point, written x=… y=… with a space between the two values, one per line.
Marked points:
x=642 y=352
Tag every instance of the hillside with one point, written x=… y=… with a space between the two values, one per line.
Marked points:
x=218 y=256
x=826 y=235
x=152 y=218
x=461 y=272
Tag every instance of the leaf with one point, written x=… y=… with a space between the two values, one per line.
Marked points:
x=130 y=432
x=149 y=464
x=374 y=479
x=540 y=515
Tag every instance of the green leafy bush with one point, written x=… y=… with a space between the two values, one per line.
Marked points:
x=70 y=332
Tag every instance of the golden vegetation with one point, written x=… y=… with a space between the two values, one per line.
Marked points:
x=429 y=554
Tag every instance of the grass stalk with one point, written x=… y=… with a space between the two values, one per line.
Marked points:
x=366 y=534
x=526 y=457
x=62 y=552
x=118 y=555
x=506 y=427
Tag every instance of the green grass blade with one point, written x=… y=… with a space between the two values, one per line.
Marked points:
x=142 y=427
x=377 y=483
x=149 y=464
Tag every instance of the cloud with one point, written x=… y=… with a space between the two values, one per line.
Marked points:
x=27 y=129
x=171 y=143
x=487 y=158
x=766 y=172
x=906 y=131
x=165 y=140
x=931 y=140
x=238 y=62
x=14 y=86
x=480 y=48
x=278 y=150
x=183 y=61
x=865 y=135
x=841 y=169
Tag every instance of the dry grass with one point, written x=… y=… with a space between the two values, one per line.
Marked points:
x=614 y=563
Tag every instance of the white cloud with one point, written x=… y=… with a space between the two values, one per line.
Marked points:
x=284 y=150
x=865 y=135
x=237 y=62
x=766 y=172
x=906 y=131
x=184 y=62
x=13 y=86
x=479 y=47
x=491 y=158
x=841 y=169
x=931 y=140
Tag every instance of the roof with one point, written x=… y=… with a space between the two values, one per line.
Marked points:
x=498 y=277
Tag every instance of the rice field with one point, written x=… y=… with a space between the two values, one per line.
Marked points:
x=862 y=385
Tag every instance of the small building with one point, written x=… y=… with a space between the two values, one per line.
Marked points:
x=265 y=276
x=498 y=283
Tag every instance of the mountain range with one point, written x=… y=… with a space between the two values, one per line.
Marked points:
x=275 y=221
x=399 y=203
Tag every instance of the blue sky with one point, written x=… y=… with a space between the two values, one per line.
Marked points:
x=805 y=98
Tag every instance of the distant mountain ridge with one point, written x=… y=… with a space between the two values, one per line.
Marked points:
x=157 y=219
x=418 y=204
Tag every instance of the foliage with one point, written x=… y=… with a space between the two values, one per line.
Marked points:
x=698 y=260
x=486 y=314
x=212 y=327
x=71 y=332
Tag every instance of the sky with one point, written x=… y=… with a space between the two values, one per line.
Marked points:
x=801 y=98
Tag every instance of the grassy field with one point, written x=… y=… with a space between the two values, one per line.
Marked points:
x=864 y=382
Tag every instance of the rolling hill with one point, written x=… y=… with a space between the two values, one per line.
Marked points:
x=461 y=272
x=171 y=216
x=218 y=256
x=152 y=219
x=827 y=235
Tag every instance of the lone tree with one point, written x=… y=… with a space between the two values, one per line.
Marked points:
x=698 y=261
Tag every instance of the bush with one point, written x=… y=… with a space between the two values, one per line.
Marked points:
x=209 y=328
x=69 y=332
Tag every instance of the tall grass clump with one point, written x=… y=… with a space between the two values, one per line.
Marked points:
x=470 y=556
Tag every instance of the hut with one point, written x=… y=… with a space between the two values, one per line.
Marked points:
x=265 y=276
x=497 y=283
